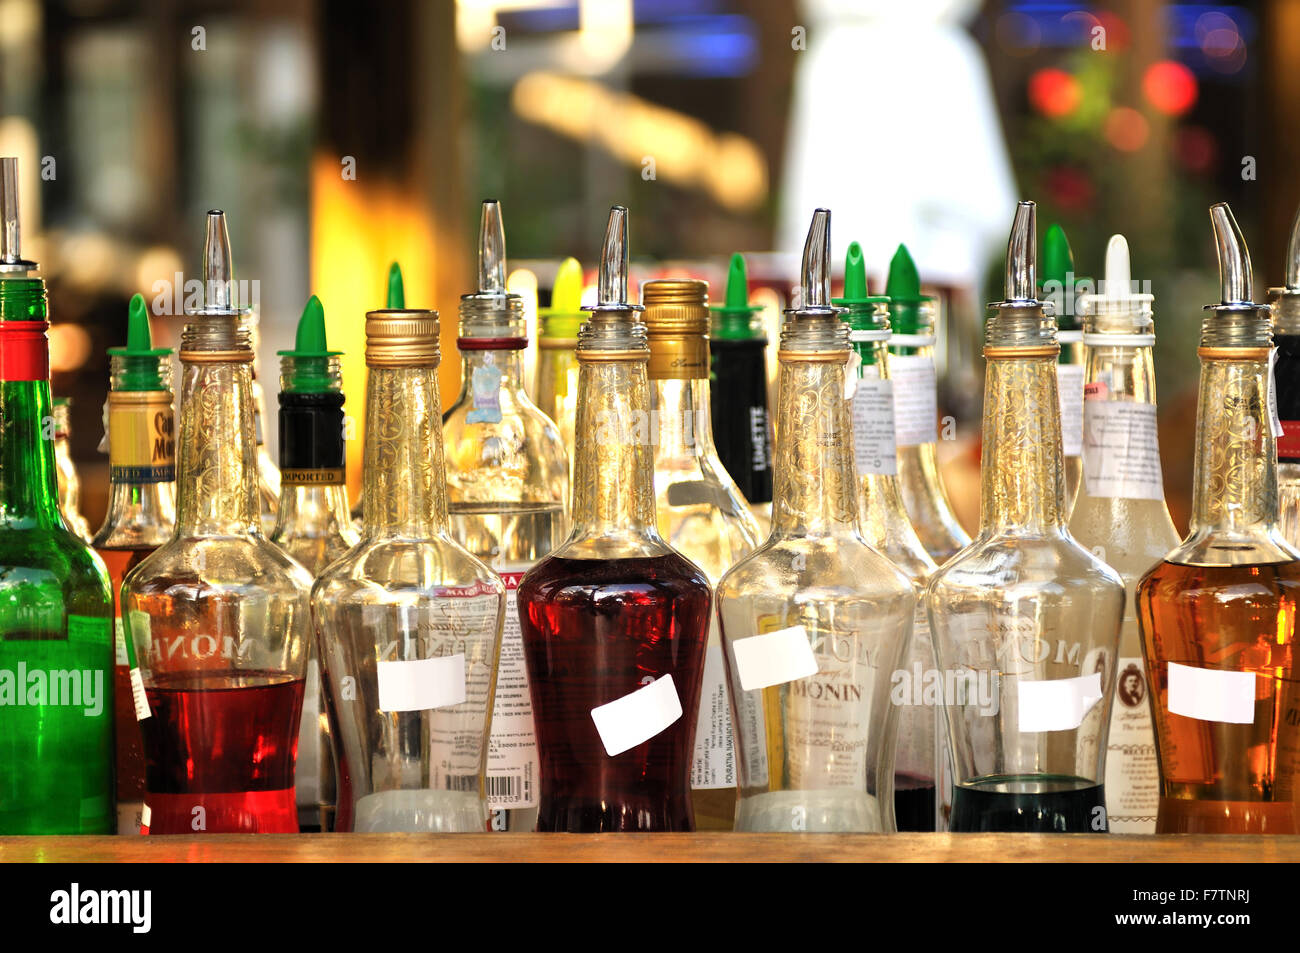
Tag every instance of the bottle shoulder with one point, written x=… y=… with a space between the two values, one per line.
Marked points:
x=56 y=554
x=832 y=566
x=1017 y=565
x=239 y=565
x=666 y=572
x=376 y=569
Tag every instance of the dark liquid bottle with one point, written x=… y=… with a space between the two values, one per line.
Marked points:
x=1038 y=804
x=614 y=621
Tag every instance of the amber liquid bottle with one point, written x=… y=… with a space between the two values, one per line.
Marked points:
x=1218 y=614
x=614 y=620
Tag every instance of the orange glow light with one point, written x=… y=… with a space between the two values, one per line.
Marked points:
x=1054 y=93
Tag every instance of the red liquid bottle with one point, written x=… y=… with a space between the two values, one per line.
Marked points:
x=614 y=621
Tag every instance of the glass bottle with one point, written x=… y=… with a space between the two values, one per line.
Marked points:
x=313 y=525
x=815 y=621
x=1285 y=302
x=919 y=756
x=268 y=474
x=141 y=517
x=1061 y=289
x=507 y=488
x=56 y=611
x=216 y=617
x=408 y=622
x=69 y=482
x=916 y=410
x=557 y=364
x=1218 y=614
x=396 y=301
x=1121 y=516
x=1025 y=621
x=614 y=620
x=701 y=514
x=738 y=394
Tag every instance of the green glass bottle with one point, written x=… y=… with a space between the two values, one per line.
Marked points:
x=56 y=613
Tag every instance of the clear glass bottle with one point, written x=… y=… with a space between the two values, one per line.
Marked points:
x=815 y=622
x=69 y=481
x=1285 y=303
x=141 y=517
x=1025 y=621
x=217 y=617
x=507 y=492
x=268 y=474
x=1121 y=516
x=313 y=525
x=920 y=755
x=408 y=622
x=701 y=514
x=1218 y=615
x=916 y=409
x=614 y=620
x=396 y=301
x=56 y=611
x=557 y=364
x=1061 y=289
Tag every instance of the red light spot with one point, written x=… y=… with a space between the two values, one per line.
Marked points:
x=1170 y=87
x=1070 y=189
x=1117 y=35
x=1054 y=93
x=1195 y=148
x=1126 y=129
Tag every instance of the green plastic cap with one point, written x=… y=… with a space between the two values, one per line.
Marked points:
x=142 y=362
x=736 y=315
x=310 y=373
x=862 y=307
x=396 y=290
x=1057 y=265
x=903 y=287
x=563 y=318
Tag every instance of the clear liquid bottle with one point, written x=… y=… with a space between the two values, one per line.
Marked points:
x=920 y=754
x=1285 y=303
x=141 y=517
x=614 y=620
x=1026 y=622
x=1060 y=287
x=701 y=513
x=557 y=364
x=1218 y=614
x=507 y=490
x=395 y=301
x=56 y=611
x=408 y=622
x=815 y=622
x=69 y=481
x=1121 y=516
x=916 y=410
x=313 y=525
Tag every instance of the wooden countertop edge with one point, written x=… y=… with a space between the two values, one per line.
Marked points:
x=707 y=847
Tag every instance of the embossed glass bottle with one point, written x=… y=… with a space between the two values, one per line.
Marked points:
x=815 y=622
x=916 y=406
x=217 y=617
x=1121 y=516
x=313 y=525
x=507 y=490
x=1218 y=615
x=614 y=620
x=395 y=301
x=701 y=513
x=69 y=481
x=141 y=517
x=557 y=364
x=408 y=622
x=918 y=769
x=56 y=641
x=1285 y=303
x=1061 y=288
x=268 y=474
x=1025 y=621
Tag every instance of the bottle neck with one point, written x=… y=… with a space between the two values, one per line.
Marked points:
x=216 y=480
x=29 y=492
x=684 y=421
x=880 y=504
x=1022 y=481
x=1119 y=371
x=815 y=489
x=142 y=466
x=613 y=467
x=404 y=491
x=491 y=375
x=145 y=511
x=311 y=510
x=1235 y=484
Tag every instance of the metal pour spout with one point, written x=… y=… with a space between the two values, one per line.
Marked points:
x=612 y=292
x=218 y=266
x=491 y=250
x=1293 y=256
x=1022 y=256
x=1235 y=280
x=11 y=258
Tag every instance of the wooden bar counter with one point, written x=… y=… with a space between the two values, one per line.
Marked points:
x=651 y=848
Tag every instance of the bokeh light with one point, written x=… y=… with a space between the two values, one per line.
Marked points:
x=1054 y=93
x=1017 y=34
x=1196 y=149
x=1170 y=87
x=1127 y=129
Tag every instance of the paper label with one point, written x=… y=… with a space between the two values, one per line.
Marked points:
x=714 y=764
x=874 y=450
x=512 y=766
x=1132 y=771
x=1288 y=443
x=636 y=718
x=1121 y=452
x=141 y=438
x=916 y=399
x=119 y=643
x=1057 y=704
x=1210 y=694
x=421 y=684
x=138 y=696
x=146 y=816
x=774 y=658
x=1273 y=420
x=485 y=393
x=1069 y=382
x=307 y=771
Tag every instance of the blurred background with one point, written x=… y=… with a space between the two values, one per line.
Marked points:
x=341 y=136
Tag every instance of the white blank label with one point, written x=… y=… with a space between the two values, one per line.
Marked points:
x=1057 y=704
x=1069 y=381
x=774 y=658
x=421 y=684
x=628 y=721
x=1209 y=694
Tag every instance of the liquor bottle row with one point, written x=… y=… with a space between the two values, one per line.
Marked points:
x=475 y=647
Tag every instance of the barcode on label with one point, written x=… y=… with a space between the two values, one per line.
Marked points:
x=460 y=782
x=503 y=789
